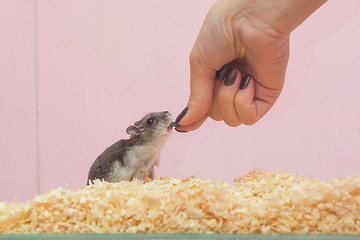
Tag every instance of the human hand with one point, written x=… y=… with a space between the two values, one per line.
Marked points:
x=238 y=62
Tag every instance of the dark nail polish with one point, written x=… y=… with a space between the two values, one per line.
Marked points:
x=174 y=124
x=222 y=72
x=245 y=82
x=181 y=115
x=230 y=78
x=181 y=131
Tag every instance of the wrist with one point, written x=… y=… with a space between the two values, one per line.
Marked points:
x=282 y=16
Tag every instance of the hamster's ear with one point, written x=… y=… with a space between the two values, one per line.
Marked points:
x=133 y=130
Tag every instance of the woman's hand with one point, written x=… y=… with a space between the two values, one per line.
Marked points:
x=238 y=62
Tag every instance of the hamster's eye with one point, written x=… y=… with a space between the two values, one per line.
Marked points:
x=150 y=121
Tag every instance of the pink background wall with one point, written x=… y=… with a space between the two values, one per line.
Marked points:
x=105 y=64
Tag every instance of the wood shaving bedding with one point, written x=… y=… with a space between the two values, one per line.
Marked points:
x=257 y=203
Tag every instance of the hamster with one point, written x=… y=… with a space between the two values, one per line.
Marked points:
x=135 y=157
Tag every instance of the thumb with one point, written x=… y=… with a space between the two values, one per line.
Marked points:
x=202 y=80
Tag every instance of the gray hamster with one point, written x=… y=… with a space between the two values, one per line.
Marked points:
x=135 y=157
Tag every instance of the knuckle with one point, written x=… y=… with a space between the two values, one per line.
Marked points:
x=193 y=58
x=249 y=117
x=232 y=123
x=246 y=113
x=215 y=116
x=249 y=122
x=199 y=100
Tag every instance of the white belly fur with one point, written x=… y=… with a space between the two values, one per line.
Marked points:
x=138 y=161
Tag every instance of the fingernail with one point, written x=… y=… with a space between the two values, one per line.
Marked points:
x=181 y=131
x=181 y=115
x=230 y=78
x=174 y=124
x=222 y=72
x=245 y=82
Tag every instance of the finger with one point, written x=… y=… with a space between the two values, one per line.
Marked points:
x=192 y=126
x=226 y=96
x=201 y=91
x=245 y=101
x=209 y=54
x=214 y=111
